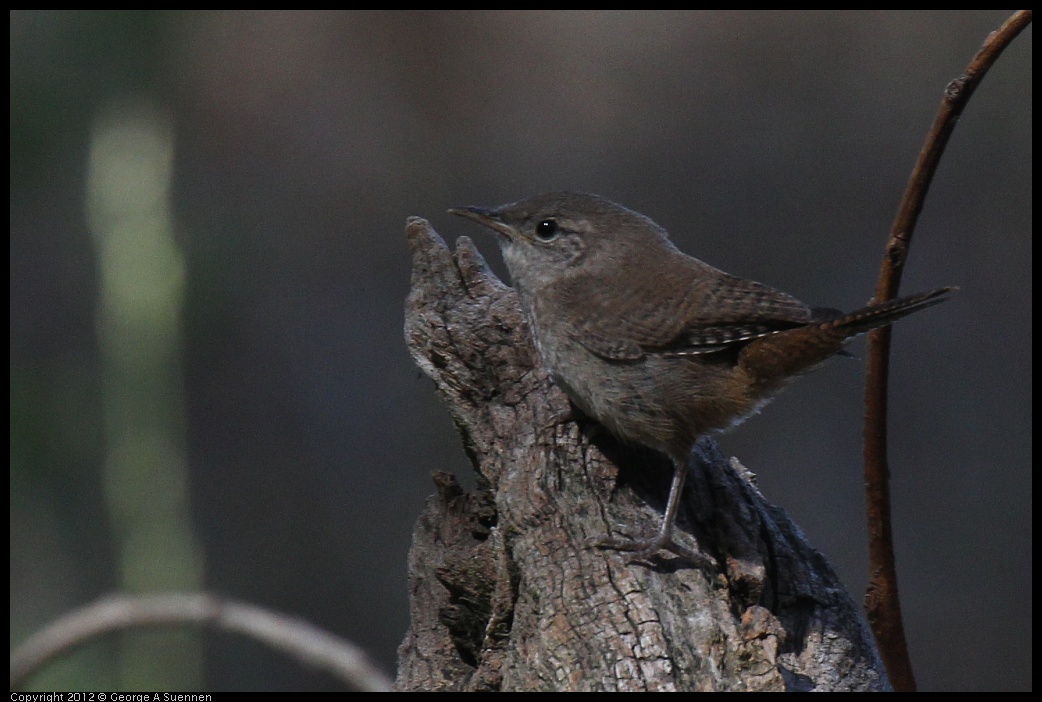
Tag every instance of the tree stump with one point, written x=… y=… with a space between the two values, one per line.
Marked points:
x=507 y=591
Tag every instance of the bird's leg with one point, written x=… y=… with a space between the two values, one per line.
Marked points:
x=663 y=539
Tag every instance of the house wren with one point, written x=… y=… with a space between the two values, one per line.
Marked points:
x=658 y=346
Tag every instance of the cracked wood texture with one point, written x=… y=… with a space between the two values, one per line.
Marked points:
x=506 y=590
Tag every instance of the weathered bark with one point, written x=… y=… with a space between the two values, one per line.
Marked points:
x=507 y=592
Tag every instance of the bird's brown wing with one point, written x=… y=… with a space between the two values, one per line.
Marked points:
x=678 y=314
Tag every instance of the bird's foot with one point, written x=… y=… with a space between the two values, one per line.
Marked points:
x=647 y=548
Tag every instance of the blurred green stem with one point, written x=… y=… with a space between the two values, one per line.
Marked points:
x=141 y=279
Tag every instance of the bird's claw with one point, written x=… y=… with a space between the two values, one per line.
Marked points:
x=648 y=548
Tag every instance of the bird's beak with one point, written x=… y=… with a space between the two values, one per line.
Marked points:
x=489 y=218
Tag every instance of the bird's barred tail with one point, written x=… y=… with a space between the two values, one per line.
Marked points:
x=874 y=316
x=773 y=360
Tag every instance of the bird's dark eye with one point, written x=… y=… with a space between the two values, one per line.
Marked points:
x=546 y=229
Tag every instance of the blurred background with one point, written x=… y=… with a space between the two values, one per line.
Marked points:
x=209 y=384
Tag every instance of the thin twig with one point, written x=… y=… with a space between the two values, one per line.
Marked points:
x=297 y=638
x=881 y=599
